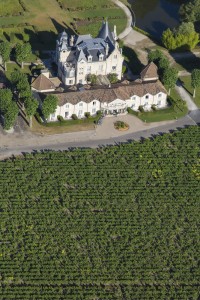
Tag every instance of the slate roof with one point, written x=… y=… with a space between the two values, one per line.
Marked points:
x=105 y=33
x=93 y=47
x=150 y=71
x=123 y=92
x=42 y=83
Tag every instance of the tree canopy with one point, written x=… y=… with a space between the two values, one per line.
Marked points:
x=49 y=105
x=8 y=108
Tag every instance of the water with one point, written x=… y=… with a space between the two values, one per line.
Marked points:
x=155 y=16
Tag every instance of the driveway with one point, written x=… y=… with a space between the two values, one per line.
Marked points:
x=105 y=134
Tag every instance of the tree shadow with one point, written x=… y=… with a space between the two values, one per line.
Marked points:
x=6 y=36
x=187 y=60
x=132 y=60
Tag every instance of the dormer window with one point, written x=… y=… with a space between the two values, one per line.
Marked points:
x=101 y=57
x=90 y=58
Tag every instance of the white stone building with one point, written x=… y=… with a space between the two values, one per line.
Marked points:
x=144 y=92
x=78 y=57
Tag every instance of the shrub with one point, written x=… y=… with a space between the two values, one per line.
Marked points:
x=124 y=69
x=98 y=113
x=141 y=108
x=113 y=77
x=87 y=114
x=153 y=107
x=92 y=78
x=74 y=117
x=60 y=118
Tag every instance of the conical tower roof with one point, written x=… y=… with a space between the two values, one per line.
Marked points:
x=105 y=32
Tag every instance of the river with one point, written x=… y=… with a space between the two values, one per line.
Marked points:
x=154 y=16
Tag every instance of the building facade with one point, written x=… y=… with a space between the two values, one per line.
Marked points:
x=144 y=92
x=78 y=57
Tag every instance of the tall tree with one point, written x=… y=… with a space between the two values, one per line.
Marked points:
x=49 y=105
x=31 y=106
x=5 y=50
x=195 y=80
x=190 y=12
x=170 y=77
x=8 y=108
x=22 y=52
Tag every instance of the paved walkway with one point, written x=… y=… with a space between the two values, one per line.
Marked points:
x=129 y=19
x=185 y=96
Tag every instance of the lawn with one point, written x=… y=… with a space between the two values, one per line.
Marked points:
x=186 y=80
x=169 y=113
x=45 y=21
x=11 y=8
x=14 y=66
x=67 y=126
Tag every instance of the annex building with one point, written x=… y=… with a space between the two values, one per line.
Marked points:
x=79 y=56
x=145 y=92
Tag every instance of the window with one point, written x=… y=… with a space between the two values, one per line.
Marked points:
x=80 y=81
x=100 y=68
x=53 y=116
x=67 y=105
x=115 y=56
x=114 y=68
x=80 y=112
x=94 y=102
x=159 y=102
x=94 y=110
x=66 y=114
x=147 y=97
x=133 y=105
x=133 y=98
x=80 y=104
x=100 y=57
x=159 y=95
x=89 y=69
x=71 y=82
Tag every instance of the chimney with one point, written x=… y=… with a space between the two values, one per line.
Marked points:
x=115 y=32
x=71 y=42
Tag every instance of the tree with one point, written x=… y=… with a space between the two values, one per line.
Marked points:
x=5 y=50
x=22 y=52
x=163 y=63
x=49 y=105
x=113 y=78
x=180 y=39
x=168 y=39
x=190 y=12
x=31 y=106
x=15 y=77
x=10 y=115
x=154 y=55
x=8 y=108
x=5 y=99
x=195 y=80
x=185 y=28
x=170 y=77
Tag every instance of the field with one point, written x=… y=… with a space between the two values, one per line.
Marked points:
x=10 y=7
x=186 y=80
x=116 y=222
x=46 y=20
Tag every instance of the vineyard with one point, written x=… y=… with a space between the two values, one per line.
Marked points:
x=118 y=222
